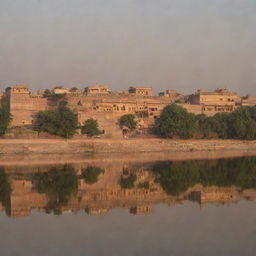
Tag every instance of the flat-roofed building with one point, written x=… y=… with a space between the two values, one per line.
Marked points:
x=220 y=100
x=96 y=89
x=248 y=100
x=59 y=90
x=140 y=91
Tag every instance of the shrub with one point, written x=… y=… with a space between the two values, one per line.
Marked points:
x=128 y=121
x=90 y=127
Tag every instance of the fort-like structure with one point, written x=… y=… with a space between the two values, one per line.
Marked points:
x=107 y=107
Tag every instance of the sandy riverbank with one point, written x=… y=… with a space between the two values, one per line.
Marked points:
x=89 y=146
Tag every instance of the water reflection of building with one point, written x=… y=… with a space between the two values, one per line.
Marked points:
x=23 y=198
x=216 y=195
x=106 y=194
x=141 y=209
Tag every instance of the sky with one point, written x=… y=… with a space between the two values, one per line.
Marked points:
x=165 y=44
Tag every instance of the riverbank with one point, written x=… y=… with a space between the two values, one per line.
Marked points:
x=84 y=146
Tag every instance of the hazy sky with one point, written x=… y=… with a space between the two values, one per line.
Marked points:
x=175 y=44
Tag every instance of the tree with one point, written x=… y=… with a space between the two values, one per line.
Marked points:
x=128 y=121
x=219 y=124
x=91 y=174
x=62 y=121
x=176 y=121
x=242 y=123
x=90 y=127
x=5 y=116
x=203 y=127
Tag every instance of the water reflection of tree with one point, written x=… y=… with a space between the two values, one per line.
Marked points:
x=58 y=184
x=5 y=189
x=128 y=182
x=177 y=177
x=91 y=174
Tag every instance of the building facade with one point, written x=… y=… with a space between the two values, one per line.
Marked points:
x=107 y=107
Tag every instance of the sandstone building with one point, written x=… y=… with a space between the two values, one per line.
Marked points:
x=221 y=100
x=248 y=100
x=107 y=107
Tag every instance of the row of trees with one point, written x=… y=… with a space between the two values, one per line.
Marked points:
x=176 y=121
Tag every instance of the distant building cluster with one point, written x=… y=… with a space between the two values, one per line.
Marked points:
x=99 y=102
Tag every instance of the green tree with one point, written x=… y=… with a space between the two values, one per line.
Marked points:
x=62 y=121
x=91 y=174
x=219 y=124
x=242 y=123
x=176 y=121
x=90 y=127
x=5 y=116
x=203 y=126
x=128 y=121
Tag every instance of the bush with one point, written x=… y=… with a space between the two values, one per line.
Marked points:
x=62 y=121
x=128 y=121
x=90 y=127
x=176 y=121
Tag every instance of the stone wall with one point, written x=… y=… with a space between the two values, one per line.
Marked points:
x=79 y=146
x=107 y=108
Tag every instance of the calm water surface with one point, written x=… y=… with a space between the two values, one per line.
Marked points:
x=129 y=208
